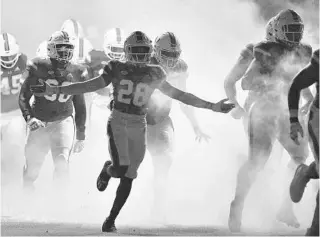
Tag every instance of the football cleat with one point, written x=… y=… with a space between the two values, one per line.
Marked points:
x=235 y=217
x=109 y=226
x=299 y=183
x=104 y=177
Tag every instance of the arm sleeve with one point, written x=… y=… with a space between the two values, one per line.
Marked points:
x=305 y=78
x=184 y=97
x=80 y=116
x=25 y=93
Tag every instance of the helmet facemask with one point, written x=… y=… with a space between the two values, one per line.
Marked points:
x=167 y=58
x=114 y=52
x=138 y=53
x=62 y=52
x=9 y=61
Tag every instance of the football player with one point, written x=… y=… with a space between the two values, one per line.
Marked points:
x=112 y=50
x=50 y=118
x=13 y=64
x=160 y=132
x=268 y=79
x=306 y=77
x=134 y=81
x=82 y=45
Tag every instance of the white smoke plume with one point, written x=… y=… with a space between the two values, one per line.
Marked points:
x=203 y=176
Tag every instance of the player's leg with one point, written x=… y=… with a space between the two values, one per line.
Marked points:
x=137 y=148
x=118 y=149
x=314 y=229
x=298 y=154
x=36 y=149
x=262 y=130
x=62 y=134
x=160 y=139
x=13 y=138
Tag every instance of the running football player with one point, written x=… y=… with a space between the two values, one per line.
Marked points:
x=13 y=64
x=49 y=118
x=268 y=78
x=160 y=131
x=305 y=78
x=134 y=81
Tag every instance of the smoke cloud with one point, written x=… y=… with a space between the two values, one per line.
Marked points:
x=203 y=176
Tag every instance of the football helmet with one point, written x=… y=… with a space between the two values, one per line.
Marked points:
x=288 y=27
x=73 y=28
x=9 y=51
x=270 y=30
x=167 y=49
x=138 y=48
x=113 y=44
x=60 y=47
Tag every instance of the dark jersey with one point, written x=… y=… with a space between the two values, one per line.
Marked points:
x=11 y=80
x=315 y=68
x=57 y=106
x=160 y=105
x=132 y=85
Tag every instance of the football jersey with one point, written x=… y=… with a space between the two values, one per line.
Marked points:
x=133 y=84
x=160 y=105
x=11 y=80
x=315 y=63
x=50 y=108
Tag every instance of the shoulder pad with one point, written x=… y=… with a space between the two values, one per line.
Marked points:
x=182 y=66
x=305 y=51
x=247 y=52
x=157 y=73
x=267 y=49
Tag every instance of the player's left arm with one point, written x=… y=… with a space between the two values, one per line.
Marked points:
x=190 y=99
x=305 y=78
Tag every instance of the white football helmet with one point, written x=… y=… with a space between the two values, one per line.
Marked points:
x=288 y=27
x=138 y=48
x=270 y=30
x=167 y=49
x=9 y=50
x=60 y=47
x=73 y=28
x=113 y=44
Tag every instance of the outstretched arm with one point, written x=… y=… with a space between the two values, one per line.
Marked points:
x=190 y=99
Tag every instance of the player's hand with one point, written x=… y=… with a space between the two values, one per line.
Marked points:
x=238 y=112
x=201 y=135
x=223 y=107
x=34 y=124
x=78 y=146
x=43 y=88
x=295 y=130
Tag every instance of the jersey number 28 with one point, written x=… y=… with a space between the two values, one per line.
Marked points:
x=140 y=95
x=61 y=97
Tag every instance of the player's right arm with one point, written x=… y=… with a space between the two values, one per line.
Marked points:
x=78 y=88
x=190 y=99
x=237 y=72
x=25 y=94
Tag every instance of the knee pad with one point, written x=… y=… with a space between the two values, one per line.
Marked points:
x=118 y=172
